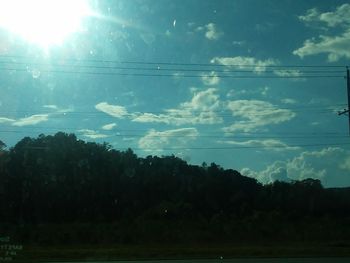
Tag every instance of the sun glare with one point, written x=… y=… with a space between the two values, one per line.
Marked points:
x=43 y=22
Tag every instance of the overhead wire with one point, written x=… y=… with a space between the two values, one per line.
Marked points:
x=215 y=148
x=62 y=65
x=131 y=74
x=207 y=132
x=173 y=63
x=159 y=134
x=255 y=70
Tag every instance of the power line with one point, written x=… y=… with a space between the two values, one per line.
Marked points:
x=81 y=131
x=244 y=147
x=176 y=75
x=207 y=132
x=176 y=63
x=178 y=116
x=215 y=148
x=167 y=69
x=328 y=107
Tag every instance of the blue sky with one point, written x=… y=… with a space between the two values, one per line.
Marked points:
x=281 y=127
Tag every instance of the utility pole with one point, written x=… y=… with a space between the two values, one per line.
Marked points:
x=347 y=111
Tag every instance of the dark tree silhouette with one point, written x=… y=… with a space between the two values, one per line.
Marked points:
x=60 y=188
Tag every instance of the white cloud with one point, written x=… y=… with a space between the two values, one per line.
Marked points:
x=150 y=117
x=264 y=90
x=51 y=106
x=256 y=114
x=34 y=119
x=109 y=126
x=249 y=92
x=92 y=134
x=31 y=120
x=200 y=110
x=330 y=165
x=250 y=63
x=6 y=120
x=289 y=101
x=191 y=24
x=274 y=172
x=268 y=144
x=238 y=43
x=340 y=16
x=112 y=110
x=210 y=79
x=288 y=73
x=335 y=46
x=211 y=31
x=158 y=140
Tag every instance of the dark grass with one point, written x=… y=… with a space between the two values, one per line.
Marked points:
x=194 y=251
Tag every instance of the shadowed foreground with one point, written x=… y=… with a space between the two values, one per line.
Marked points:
x=62 y=198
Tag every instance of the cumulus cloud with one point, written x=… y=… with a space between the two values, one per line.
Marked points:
x=112 y=110
x=211 y=31
x=288 y=73
x=6 y=120
x=336 y=46
x=340 y=16
x=268 y=144
x=274 y=172
x=210 y=79
x=36 y=118
x=92 y=134
x=158 y=140
x=109 y=126
x=251 y=63
x=255 y=114
x=248 y=93
x=289 y=101
x=330 y=165
x=51 y=106
x=200 y=110
x=31 y=120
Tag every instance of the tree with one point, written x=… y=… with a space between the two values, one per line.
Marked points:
x=2 y=145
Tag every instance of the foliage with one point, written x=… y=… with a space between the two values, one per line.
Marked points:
x=61 y=189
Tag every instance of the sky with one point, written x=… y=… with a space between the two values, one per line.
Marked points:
x=250 y=85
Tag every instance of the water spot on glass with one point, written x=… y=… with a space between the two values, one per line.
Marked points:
x=174 y=23
x=51 y=86
x=36 y=73
x=221 y=257
x=158 y=67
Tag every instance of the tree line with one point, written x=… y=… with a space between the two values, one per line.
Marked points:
x=58 y=188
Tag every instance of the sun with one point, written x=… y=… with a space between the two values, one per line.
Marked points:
x=43 y=22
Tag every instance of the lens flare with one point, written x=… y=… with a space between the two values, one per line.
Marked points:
x=43 y=22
